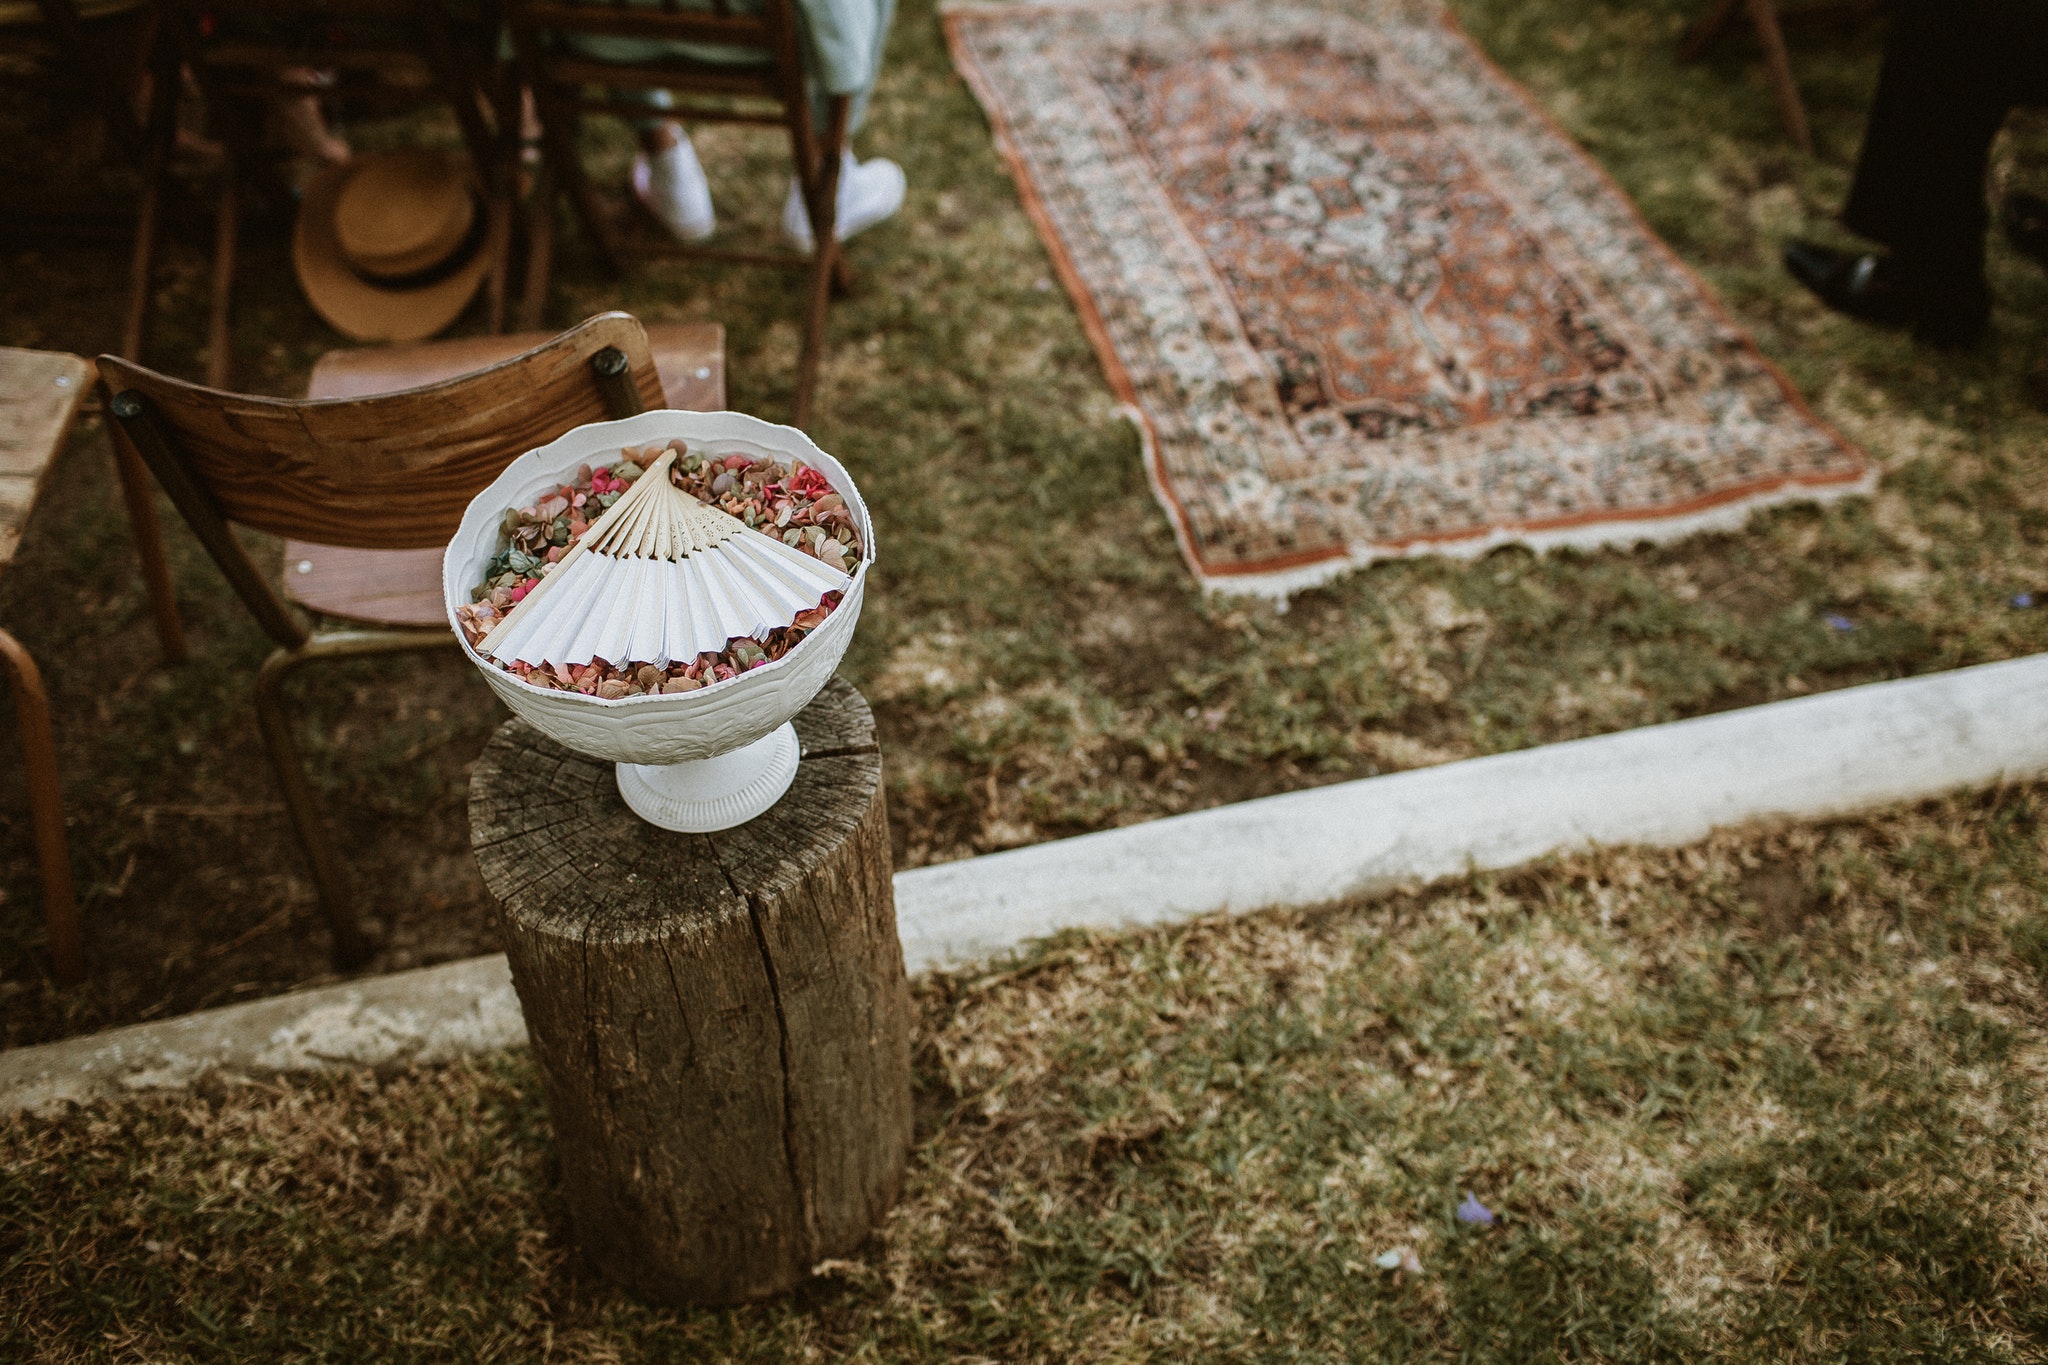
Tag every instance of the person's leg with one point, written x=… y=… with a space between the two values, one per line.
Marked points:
x=667 y=177
x=300 y=120
x=845 y=41
x=1952 y=71
x=1942 y=95
x=869 y=191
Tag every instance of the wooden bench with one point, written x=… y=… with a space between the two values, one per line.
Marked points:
x=40 y=394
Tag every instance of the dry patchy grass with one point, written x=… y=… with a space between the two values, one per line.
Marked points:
x=1040 y=664
x=1778 y=1096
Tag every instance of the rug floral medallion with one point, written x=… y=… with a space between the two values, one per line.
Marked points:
x=1364 y=299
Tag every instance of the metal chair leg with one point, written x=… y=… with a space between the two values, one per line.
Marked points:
x=149 y=536
x=1709 y=27
x=46 y=808
x=220 y=345
x=330 y=878
x=540 y=249
x=559 y=123
x=149 y=546
x=813 y=353
x=1778 y=63
x=161 y=132
x=1763 y=17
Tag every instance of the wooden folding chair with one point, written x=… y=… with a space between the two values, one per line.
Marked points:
x=40 y=392
x=100 y=57
x=405 y=46
x=388 y=474
x=772 y=91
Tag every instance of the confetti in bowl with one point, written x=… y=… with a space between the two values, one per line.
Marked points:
x=699 y=760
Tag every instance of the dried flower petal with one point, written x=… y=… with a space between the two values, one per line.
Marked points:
x=760 y=491
x=1472 y=1211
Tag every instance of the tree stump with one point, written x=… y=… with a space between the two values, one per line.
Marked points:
x=721 y=1020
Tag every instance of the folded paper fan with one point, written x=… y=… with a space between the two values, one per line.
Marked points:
x=659 y=577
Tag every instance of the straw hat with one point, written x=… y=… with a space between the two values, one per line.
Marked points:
x=391 y=246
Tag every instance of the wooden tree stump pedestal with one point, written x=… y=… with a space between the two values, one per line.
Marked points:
x=721 y=1020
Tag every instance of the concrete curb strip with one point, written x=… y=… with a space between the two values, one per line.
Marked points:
x=434 y=1014
x=1811 y=757
x=1664 y=785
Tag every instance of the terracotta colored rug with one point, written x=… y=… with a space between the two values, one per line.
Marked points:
x=1364 y=299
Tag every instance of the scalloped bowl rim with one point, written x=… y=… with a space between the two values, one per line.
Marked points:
x=545 y=466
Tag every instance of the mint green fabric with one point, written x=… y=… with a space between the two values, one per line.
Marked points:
x=842 y=39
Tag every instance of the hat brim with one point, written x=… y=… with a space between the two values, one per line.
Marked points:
x=353 y=305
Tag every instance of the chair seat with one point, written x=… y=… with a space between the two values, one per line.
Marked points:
x=40 y=393
x=403 y=587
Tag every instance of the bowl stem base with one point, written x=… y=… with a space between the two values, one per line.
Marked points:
x=714 y=793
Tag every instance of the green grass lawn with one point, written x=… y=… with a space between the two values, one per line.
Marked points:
x=1776 y=1097
x=1039 y=661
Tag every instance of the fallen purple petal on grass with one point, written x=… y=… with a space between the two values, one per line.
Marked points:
x=1839 y=622
x=1472 y=1211
x=2023 y=600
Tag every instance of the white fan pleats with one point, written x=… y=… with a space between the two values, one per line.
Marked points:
x=661 y=577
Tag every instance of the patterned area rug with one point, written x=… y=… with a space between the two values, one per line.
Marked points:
x=1364 y=299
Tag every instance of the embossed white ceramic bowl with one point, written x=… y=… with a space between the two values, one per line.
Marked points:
x=747 y=712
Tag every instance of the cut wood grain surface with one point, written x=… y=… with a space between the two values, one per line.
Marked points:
x=40 y=392
x=722 y=1021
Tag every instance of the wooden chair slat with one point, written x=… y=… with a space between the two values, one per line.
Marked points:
x=338 y=11
x=393 y=471
x=688 y=26
x=404 y=64
x=679 y=74
x=735 y=107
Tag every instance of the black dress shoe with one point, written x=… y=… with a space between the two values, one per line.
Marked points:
x=1875 y=289
x=2026 y=224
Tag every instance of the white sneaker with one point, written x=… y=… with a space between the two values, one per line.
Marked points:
x=671 y=184
x=869 y=191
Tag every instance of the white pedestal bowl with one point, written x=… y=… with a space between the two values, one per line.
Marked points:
x=692 y=761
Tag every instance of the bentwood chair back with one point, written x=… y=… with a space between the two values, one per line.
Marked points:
x=771 y=90
x=392 y=471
